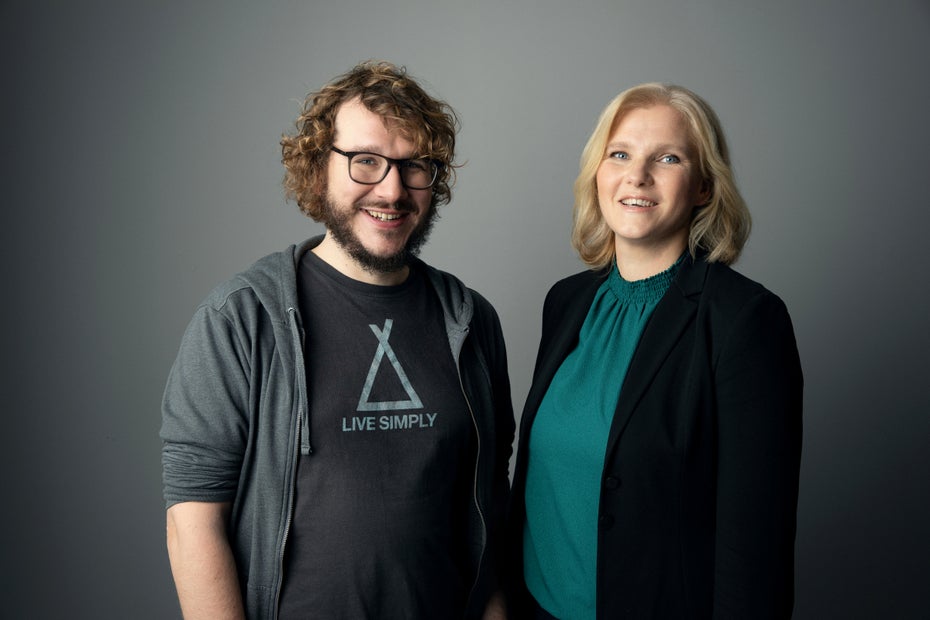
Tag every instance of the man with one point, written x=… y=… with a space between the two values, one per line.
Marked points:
x=337 y=426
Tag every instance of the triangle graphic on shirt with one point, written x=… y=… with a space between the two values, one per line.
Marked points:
x=385 y=350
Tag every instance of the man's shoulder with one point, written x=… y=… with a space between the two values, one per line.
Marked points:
x=458 y=299
x=449 y=287
x=269 y=281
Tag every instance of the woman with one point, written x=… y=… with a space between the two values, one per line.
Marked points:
x=657 y=475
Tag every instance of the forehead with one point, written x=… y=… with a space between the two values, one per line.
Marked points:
x=659 y=123
x=359 y=129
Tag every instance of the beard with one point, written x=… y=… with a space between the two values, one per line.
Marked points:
x=338 y=222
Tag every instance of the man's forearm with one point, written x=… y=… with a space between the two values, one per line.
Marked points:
x=202 y=562
x=496 y=609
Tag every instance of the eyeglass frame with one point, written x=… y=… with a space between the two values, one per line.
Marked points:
x=437 y=166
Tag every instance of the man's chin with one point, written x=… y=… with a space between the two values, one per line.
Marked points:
x=391 y=260
x=380 y=263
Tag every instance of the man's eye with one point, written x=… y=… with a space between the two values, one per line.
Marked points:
x=416 y=165
x=365 y=161
x=670 y=159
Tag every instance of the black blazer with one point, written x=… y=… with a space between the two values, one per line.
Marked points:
x=700 y=481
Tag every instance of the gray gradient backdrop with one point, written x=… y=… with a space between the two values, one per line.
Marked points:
x=140 y=168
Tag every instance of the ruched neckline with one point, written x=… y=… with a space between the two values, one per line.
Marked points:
x=647 y=290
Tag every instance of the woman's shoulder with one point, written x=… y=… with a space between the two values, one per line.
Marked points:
x=727 y=280
x=576 y=284
x=568 y=299
x=729 y=292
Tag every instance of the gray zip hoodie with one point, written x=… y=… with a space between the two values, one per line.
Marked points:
x=235 y=417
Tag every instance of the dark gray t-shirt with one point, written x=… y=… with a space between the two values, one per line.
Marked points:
x=377 y=528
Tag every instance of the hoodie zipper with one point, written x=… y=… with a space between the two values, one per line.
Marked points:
x=301 y=442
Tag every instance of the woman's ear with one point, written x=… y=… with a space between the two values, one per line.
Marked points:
x=706 y=192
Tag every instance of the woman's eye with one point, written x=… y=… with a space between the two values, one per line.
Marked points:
x=619 y=155
x=670 y=159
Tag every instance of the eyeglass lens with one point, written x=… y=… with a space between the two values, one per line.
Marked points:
x=372 y=168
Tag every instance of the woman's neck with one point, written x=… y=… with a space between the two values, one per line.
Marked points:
x=641 y=262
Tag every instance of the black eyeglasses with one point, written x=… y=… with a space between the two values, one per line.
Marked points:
x=371 y=168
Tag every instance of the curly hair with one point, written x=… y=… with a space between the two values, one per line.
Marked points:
x=388 y=91
x=720 y=227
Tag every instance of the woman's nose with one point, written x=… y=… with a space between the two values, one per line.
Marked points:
x=637 y=174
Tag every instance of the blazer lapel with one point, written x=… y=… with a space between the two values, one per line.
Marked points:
x=671 y=317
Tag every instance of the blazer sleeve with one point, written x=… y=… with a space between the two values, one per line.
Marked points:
x=759 y=387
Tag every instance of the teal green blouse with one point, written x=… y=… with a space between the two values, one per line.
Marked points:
x=568 y=441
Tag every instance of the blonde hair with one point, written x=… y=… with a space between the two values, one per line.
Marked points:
x=386 y=90
x=720 y=227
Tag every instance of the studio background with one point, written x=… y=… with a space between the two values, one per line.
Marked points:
x=141 y=167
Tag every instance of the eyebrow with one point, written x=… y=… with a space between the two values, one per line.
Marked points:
x=658 y=147
x=369 y=148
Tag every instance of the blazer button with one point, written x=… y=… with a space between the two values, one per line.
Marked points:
x=605 y=522
x=612 y=483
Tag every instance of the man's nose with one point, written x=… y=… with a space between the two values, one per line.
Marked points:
x=391 y=188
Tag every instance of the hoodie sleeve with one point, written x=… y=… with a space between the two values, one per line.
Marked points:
x=504 y=419
x=205 y=409
x=489 y=332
